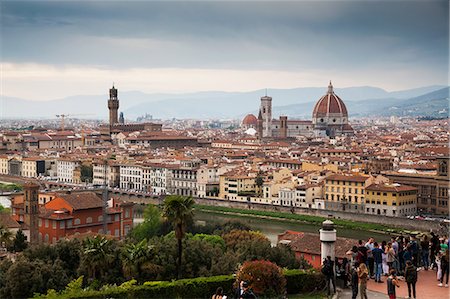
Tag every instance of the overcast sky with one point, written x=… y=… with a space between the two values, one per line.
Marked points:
x=55 y=49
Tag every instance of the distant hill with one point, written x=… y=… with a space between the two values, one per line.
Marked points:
x=435 y=103
x=212 y=104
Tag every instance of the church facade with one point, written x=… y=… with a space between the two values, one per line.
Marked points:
x=329 y=118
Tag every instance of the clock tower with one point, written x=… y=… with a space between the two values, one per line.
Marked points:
x=113 y=105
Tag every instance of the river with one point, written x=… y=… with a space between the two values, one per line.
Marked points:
x=272 y=228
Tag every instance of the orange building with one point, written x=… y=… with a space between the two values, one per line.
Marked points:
x=308 y=246
x=77 y=213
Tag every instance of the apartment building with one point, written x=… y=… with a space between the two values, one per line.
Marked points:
x=66 y=168
x=131 y=177
x=390 y=200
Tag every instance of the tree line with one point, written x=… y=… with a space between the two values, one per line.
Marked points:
x=166 y=246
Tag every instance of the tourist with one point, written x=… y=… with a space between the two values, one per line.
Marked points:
x=219 y=294
x=247 y=293
x=444 y=268
x=443 y=246
x=353 y=256
x=363 y=275
x=392 y=283
x=327 y=270
x=384 y=259
x=240 y=289
x=414 y=250
x=425 y=247
x=411 y=278
x=400 y=252
x=355 y=281
x=362 y=249
x=407 y=254
x=438 y=265
x=370 y=260
x=434 y=248
x=390 y=255
x=377 y=257
x=394 y=245
x=345 y=271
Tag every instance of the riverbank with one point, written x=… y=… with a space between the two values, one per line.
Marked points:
x=300 y=218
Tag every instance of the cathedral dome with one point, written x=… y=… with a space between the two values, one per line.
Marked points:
x=330 y=105
x=249 y=120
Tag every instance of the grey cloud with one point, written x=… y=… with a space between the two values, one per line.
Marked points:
x=273 y=35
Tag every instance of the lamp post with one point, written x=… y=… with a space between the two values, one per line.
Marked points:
x=327 y=239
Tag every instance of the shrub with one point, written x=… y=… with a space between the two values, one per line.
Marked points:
x=298 y=281
x=301 y=281
x=265 y=278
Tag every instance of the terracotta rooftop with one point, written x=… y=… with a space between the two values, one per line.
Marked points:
x=82 y=200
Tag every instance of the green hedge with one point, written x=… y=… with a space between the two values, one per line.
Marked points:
x=298 y=281
x=298 y=217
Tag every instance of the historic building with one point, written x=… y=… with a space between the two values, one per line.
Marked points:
x=433 y=191
x=330 y=118
x=117 y=125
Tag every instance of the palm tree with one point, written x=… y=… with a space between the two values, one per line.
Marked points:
x=98 y=255
x=179 y=211
x=134 y=256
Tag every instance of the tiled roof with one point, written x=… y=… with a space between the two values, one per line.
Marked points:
x=82 y=200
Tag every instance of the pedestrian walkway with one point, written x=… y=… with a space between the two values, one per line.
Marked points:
x=347 y=294
x=427 y=287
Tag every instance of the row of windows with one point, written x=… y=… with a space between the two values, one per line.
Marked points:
x=344 y=190
x=345 y=183
x=77 y=221
x=344 y=198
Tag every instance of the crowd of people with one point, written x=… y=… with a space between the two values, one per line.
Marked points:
x=399 y=259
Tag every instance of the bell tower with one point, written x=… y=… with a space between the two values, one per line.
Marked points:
x=266 y=113
x=31 y=210
x=113 y=105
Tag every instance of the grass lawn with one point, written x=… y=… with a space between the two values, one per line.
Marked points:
x=308 y=296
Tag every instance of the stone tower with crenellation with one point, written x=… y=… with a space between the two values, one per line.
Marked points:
x=113 y=105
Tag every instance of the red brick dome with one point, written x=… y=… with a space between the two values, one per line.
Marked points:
x=249 y=120
x=330 y=104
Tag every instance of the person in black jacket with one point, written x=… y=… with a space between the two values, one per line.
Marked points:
x=411 y=278
x=355 y=281
x=247 y=292
x=328 y=271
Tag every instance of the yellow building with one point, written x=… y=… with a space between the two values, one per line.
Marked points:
x=232 y=185
x=391 y=200
x=345 y=192
x=279 y=179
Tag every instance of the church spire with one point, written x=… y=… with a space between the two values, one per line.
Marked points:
x=330 y=88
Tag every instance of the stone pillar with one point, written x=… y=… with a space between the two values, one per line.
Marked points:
x=328 y=239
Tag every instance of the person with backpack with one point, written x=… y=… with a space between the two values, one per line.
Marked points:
x=392 y=283
x=411 y=278
x=328 y=271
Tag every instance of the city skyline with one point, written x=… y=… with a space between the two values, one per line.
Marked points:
x=52 y=50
